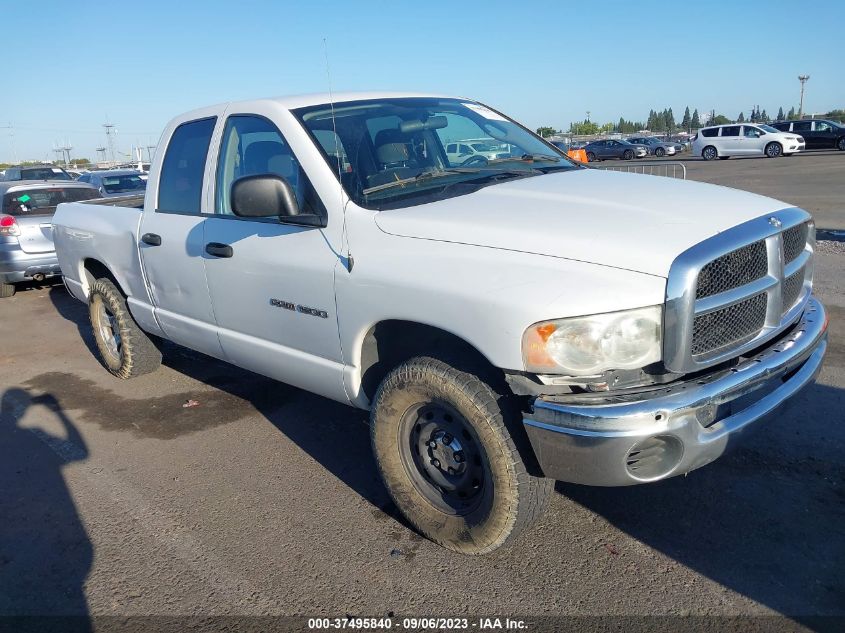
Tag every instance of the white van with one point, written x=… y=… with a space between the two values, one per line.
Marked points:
x=746 y=139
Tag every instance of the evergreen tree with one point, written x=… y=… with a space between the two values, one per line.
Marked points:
x=740 y=118
x=791 y=113
x=685 y=122
x=764 y=117
x=780 y=113
x=695 y=121
x=670 y=120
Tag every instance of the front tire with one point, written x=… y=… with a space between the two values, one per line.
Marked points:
x=627 y=154
x=446 y=447
x=7 y=290
x=660 y=152
x=773 y=150
x=709 y=153
x=591 y=158
x=124 y=348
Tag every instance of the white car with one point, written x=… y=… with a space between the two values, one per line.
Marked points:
x=724 y=141
x=461 y=152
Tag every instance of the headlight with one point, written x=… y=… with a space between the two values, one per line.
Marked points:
x=590 y=345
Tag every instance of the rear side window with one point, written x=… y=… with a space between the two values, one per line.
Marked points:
x=123 y=183
x=180 y=182
x=44 y=173
x=730 y=130
x=44 y=201
x=801 y=126
x=783 y=127
x=710 y=131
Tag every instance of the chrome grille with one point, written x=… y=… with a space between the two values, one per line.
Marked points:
x=729 y=326
x=733 y=270
x=792 y=288
x=737 y=289
x=794 y=242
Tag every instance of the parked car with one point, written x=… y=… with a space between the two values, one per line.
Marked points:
x=561 y=145
x=817 y=133
x=725 y=141
x=610 y=148
x=116 y=182
x=464 y=152
x=656 y=146
x=36 y=172
x=506 y=325
x=26 y=235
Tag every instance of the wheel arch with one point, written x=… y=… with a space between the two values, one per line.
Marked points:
x=387 y=343
x=93 y=269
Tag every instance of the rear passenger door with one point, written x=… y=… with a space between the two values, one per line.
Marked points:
x=171 y=239
x=805 y=130
x=730 y=141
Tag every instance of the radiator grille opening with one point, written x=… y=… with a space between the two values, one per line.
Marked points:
x=733 y=270
x=731 y=326
x=794 y=242
x=792 y=288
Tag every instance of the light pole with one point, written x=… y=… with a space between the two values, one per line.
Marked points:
x=803 y=79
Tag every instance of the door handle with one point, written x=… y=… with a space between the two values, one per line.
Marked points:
x=151 y=238
x=219 y=250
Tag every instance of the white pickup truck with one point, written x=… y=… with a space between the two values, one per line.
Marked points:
x=506 y=321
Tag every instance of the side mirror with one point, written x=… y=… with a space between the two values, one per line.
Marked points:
x=263 y=196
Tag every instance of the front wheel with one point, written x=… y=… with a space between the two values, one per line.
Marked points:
x=6 y=290
x=124 y=348
x=773 y=150
x=627 y=154
x=709 y=153
x=660 y=152
x=446 y=447
x=591 y=157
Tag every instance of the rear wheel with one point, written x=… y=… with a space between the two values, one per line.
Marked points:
x=709 y=153
x=446 y=447
x=124 y=348
x=773 y=150
x=628 y=154
x=840 y=144
x=6 y=290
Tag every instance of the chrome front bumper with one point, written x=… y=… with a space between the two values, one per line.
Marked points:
x=676 y=428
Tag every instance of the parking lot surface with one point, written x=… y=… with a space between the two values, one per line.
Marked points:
x=259 y=498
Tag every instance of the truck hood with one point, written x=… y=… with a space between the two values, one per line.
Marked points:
x=630 y=221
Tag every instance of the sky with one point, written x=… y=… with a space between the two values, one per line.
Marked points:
x=70 y=67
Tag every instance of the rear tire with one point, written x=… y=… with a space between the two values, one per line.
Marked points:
x=7 y=290
x=840 y=144
x=774 y=150
x=709 y=153
x=446 y=447
x=124 y=348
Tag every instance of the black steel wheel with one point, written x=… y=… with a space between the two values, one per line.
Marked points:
x=451 y=451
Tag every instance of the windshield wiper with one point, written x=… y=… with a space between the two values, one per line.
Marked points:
x=425 y=175
x=526 y=158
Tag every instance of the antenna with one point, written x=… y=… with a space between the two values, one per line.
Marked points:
x=349 y=261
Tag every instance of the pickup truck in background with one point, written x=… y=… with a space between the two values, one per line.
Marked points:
x=508 y=322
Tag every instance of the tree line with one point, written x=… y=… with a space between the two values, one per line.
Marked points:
x=664 y=122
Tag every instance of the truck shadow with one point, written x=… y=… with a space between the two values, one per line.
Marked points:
x=764 y=521
x=45 y=551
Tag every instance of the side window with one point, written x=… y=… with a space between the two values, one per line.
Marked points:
x=730 y=130
x=751 y=132
x=252 y=145
x=711 y=131
x=451 y=148
x=180 y=182
x=822 y=126
x=801 y=126
x=783 y=127
x=84 y=178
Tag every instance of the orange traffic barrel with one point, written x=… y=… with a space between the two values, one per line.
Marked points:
x=577 y=154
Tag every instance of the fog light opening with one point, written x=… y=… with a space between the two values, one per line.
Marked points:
x=654 y=458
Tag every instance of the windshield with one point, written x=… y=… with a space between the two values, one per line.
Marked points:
x=121 y=184
x=44 y=173
x=43 y=201
x=768 y=128
x=392 y=153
